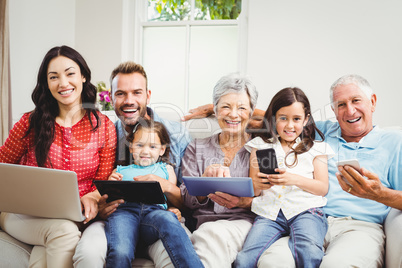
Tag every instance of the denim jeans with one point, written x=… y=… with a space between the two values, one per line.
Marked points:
x=306 y=230
x=132 y=221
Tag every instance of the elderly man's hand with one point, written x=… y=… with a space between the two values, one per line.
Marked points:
x=364 y=184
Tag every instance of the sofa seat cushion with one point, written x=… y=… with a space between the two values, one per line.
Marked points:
x=142 y=263
x=13 y=253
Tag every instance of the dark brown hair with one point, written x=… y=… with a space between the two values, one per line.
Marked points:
x=159 y=129
x=284 y=98
x=128 y=67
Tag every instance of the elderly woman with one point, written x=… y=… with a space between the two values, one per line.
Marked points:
x=222 y=225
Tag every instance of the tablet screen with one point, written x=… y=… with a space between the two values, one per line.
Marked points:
x=203 y=186
x=147 y=192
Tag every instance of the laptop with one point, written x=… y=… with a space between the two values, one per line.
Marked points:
x=40 y=192
x=203 y=186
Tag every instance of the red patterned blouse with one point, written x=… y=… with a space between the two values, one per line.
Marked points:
x=90 y=154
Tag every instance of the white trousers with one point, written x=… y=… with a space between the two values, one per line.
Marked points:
x=348 y=243
x=54 y=240
x=92 y=247
x=218 y=242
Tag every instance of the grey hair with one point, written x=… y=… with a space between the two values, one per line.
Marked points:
x=235 y=83
x=355 y=79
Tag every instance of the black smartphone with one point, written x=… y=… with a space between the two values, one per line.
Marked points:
x=267 y=161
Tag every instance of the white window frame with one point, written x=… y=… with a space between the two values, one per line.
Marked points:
x=135 y=23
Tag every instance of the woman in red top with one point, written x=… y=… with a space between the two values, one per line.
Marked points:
x=64 y=131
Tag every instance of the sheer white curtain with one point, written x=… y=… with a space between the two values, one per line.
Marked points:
x=5 y=94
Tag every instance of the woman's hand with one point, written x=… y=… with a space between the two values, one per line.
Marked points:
x=216 y=170
x=90 y=204
x=231 y=201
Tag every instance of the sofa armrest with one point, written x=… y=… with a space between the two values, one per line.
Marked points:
x=393 y=244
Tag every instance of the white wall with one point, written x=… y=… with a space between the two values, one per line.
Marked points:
x=311 y=43
x=98 y=35
x=307 y=43
x=35 y=27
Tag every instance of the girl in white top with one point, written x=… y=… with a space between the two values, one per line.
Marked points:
x=289 y=203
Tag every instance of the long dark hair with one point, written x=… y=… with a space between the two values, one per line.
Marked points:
x=283 y=98
x=160 y=130
x=43 y=117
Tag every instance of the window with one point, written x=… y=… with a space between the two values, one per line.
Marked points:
x=176 y=10
x=186 y=46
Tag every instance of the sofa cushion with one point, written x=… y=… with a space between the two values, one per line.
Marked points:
x=13 y=253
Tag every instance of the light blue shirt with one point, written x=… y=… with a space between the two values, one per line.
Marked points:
x=133 y=170
x=380 y=152
x=179 y=138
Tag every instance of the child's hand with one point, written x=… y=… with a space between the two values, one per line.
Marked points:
x=175 y=211
x=283 y=178
x=115 y=176
x=262 y=181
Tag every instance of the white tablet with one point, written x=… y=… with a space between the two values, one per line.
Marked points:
x=203 y=186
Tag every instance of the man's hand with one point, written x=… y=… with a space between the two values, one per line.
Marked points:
x=105 y=209
x=206 y=110
x=199 y=112
x=365 y=184
x=256 y=120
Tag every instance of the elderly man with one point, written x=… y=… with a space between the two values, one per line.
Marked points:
x=130 y=96
x=358 y=199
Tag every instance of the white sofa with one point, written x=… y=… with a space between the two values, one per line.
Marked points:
x=16 y=254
